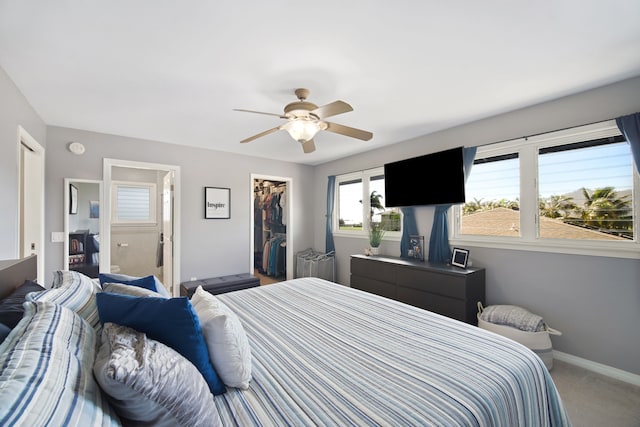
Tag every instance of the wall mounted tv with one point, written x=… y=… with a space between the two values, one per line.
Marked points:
x=432 y=179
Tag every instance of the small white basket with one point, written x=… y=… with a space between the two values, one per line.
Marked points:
x=538 y=342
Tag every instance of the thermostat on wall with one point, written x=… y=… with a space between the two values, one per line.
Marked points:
x=76 y=148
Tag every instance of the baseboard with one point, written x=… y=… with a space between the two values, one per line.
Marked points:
x=599 y=368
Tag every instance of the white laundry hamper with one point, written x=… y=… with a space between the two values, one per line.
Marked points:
x=539 y=342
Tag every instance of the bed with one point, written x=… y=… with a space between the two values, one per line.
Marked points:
x=326 y=354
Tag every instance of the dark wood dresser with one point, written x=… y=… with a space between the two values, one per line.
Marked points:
x=441 y=288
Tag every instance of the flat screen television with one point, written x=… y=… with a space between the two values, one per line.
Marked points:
x=432 y=179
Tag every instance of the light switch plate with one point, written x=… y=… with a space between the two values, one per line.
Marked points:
x=57 y=236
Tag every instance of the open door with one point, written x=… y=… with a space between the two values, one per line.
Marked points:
x=31 y=227
x=167 y=229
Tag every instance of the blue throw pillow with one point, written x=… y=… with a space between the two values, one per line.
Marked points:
x=4 y=332
x=147 y=282
x=171 y=321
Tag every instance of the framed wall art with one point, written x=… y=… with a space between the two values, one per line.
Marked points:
x=217 y=203
x=73 y=199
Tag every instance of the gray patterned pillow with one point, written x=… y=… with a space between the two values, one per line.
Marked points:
x=134 y=291
x=149 y=383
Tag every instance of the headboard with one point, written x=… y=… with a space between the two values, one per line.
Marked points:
x=13 y=273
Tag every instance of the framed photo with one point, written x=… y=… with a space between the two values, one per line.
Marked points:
x=73 y=199
x=217 y=203
x=460 y=257
x=94 y=209
x=416 y=247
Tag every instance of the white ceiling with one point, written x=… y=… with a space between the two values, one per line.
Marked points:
x=172 y=71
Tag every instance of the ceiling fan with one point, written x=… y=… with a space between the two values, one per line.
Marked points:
x=305 y=120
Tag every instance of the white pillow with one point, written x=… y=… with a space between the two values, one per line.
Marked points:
x=226 y=339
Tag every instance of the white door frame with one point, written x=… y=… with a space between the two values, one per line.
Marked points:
x=105 y=256
x=26 y=140
x=289 y=224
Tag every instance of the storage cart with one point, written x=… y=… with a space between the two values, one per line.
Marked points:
x=310 y=263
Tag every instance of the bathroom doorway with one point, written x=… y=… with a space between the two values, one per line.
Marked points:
x=142 y=210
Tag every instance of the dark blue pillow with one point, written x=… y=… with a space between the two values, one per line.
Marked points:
x=4 y=332
x=171 y=321
x=147 y=282
x=11 y=309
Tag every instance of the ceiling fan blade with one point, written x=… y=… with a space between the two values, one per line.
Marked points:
x=332 y=109
x=349 y=131
x=260 y=112
x=261 y=134
x=309 y=146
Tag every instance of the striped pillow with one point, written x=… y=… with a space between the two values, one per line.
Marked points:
x=75 y=291
x=46 y=371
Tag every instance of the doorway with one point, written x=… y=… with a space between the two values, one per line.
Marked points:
x=82 y=225
x=271 y=257
x=145 y=239
x=31 y=199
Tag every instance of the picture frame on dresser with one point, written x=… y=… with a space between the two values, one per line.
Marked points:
x=460 y=257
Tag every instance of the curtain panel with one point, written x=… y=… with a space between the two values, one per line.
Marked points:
x=630 y=128
x=331 y=188
x=409 y=228
x=439 y=250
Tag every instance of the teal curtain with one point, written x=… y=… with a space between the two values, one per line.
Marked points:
x=630 y=128
x=439 y=250
x=331 y=187
x=409 y=228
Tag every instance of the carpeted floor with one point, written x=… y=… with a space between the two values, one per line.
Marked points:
x=595 y=400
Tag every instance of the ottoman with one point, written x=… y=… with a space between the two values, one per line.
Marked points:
x=220 y=285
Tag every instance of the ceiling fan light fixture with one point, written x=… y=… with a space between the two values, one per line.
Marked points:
x=303 y=130
x=305 y=120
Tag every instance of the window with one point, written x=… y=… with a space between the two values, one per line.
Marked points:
x=133 y=203
x=567 y=191
x=360 y=200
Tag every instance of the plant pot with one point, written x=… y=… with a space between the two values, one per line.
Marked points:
x=375 y=251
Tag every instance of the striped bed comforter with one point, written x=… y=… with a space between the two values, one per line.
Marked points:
x=325 y=354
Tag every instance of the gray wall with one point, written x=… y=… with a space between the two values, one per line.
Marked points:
x=594 y=301
x=14 y=111
x=208 y=247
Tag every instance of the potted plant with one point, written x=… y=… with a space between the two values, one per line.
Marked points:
x=376 y=230
x=376 y=233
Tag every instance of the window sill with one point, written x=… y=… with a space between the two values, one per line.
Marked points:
x=388 y=237
x=630 y=251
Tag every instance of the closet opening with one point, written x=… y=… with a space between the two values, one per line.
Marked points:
x=271 y=223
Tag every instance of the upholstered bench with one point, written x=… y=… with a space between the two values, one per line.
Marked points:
x=220 y=285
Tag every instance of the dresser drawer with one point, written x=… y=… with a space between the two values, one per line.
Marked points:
x=450 y=307
x=384 y=289
x=374 y=269
x=436 y=283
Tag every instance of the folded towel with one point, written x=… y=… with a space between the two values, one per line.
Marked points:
x=514 y=316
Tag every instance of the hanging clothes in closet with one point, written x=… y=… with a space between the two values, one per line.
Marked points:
x=270 y=228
